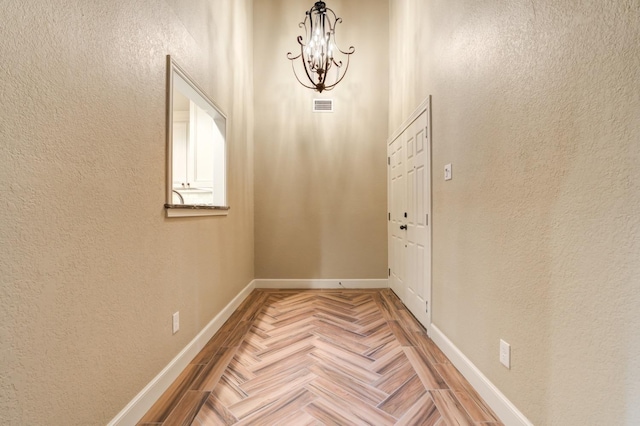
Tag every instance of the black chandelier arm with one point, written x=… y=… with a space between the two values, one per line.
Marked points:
x=351 y=50
x=339 y=63
x=297 y=78
x=292 y=58
x=336 y=19
x=306 y=68
x=306 y=31
x=343 y=74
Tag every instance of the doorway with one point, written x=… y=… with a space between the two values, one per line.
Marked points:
x=409 y=206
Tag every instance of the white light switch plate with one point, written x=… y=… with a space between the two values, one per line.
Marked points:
x=505 y=354
x=448 y=175
x=176 y=322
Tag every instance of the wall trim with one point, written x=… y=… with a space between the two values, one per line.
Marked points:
x=321 y=284
x=424 y=105
x=143 y=401
x=504 y=409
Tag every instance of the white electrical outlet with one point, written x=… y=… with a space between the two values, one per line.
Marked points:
x=176 y=322
x=448 y=175
x=505 y=354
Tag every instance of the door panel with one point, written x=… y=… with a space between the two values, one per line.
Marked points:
x=417 y=233
x=397 y=200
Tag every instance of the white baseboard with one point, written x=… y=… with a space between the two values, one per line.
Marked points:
x=141 y=403
x=321 y=284
x=505 y=410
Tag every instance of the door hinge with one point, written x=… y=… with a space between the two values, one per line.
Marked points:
x=389 y=271
x=426 y=308
x=389 y=216
x=388 y=161
x=427 y=220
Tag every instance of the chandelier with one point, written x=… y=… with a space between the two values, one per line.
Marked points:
x=318 y=49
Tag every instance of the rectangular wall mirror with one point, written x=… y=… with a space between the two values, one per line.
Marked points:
x=196 y=149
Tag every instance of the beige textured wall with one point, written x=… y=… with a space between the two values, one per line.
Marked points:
x=536 y=240
x=90 y=268
x=320 y=179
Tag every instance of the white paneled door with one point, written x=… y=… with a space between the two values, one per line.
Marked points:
x=409 y=216
x=397 y=207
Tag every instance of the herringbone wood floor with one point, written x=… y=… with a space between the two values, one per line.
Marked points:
x=314 y=357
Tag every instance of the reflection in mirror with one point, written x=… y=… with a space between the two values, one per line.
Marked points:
x=196 y=138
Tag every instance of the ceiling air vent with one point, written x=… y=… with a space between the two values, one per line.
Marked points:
x=323 y=105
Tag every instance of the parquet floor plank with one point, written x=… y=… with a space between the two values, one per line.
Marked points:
x=353 y=370
x=239 y=367
x=467 y=396
x=388 y=361
x=320 y=357
x=476 y=410
x=262 y=382
x=395 y=373
x=450 y=408
x=213 y=413
x=169 y=400
x=349 y=406
x=424 y=412
x=335 y=330
x=253 y=306
x=429 y=376
x=384 y=345
x=384 y=306
x=326 y=414
x=297 y=379
x=362 y=390
x=187 y=409
x=429 y=349
x=228 y=392
x=280 y=409
x=403 y=398
x=211 y=348
x=277 y=331
x=348 y=345
x=211 y=373
x=402 y=336
x=299 y=418
x=238 y=335
x=297 y=355
x=284 y=343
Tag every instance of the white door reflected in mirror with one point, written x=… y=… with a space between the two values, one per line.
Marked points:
x=197 y=146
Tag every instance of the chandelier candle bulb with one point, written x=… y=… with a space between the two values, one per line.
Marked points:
x=317 y=49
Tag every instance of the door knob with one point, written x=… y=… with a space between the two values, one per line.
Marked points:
x=403 y=226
